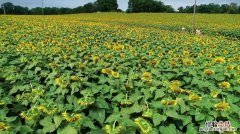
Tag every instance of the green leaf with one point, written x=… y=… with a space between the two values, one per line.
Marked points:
x=135 y=108
x=119 y=97
x=10 y=119
x=159 y=94
x=69 y=130
x=57 y=121
x=186 y=120
x=173 y=114
x=101 y=103
x=157 y=119
x=200 y=116
x=187 y=79
x=87 y=122
x=191 y=129
x=46 y=121
x=171 y=129
x=98 y=115
x=25 y=129
x=113 y=117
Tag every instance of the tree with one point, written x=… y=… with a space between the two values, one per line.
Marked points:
x=239 y=9
x=107 y=5
x=36 y=11
x=89 y=8
x=233 y=8
x=9 y=7
x=78 y=10
x=168 y=9
x=180 y=10
x=20 y=10
x=136 y=6
x=1 y=11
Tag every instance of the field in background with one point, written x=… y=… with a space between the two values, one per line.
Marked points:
x=118 y=73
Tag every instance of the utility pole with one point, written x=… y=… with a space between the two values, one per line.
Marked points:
x=42 y=8
x=4 y=9
x=194 y=14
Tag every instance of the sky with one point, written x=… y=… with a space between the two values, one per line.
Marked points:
x=123 y=4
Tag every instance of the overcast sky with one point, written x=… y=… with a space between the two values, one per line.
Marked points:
x=123 y=4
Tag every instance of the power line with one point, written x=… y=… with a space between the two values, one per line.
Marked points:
x=42 y=8
x=194 y=16
x=4 y=9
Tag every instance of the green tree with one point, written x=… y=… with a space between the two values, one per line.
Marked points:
x=9 y=7
x=89 y=8
x=180 y=9
x=233 y=8
x=20 y=10
x=1 y=10
x=36 y=11
x=136 y=6
x=107 y=5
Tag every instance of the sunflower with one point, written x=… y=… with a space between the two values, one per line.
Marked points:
x=225 y=85
x=194 y=97
x=2 y=102
x=160 y=55
x=95 y=58
x=214 y=94
x=143 y=124
x=106 y=71
x=222 y=106
x=230 y=67
x=3 y=126
x=86 y=101
x=146 y=76
x=72 y=118
x=187 y=62
x=154 y=62
x=115 y=74
x=220 y=60
x=209 y=72
x=169 y=102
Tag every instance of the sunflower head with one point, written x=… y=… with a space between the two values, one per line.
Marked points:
x=225 y=85
x=214 y=94
x=143 y=125
x=222 y=106
x=194 y=97
x=187 y=62
x=115 y=74
x=220 y=60
x=209 y=72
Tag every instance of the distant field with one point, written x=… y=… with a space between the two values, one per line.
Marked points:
x=118 y=73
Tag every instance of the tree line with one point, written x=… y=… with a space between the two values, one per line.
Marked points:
x=232 y=8
x=99 y=5
x=134 y=6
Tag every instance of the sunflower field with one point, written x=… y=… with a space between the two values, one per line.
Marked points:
x=114 y=73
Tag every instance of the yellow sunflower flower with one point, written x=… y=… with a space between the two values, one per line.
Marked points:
x=220 y=60
x=194 y=97
x=169 y=102
x=209 y=72
x=214 y=94
x=225 y=85
x=72 y=118
x=115 y=74
x=230 y=67
x=3 y=126
x=187 y=62
x=222 y=106
x=75 y=78
x=144 y=126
